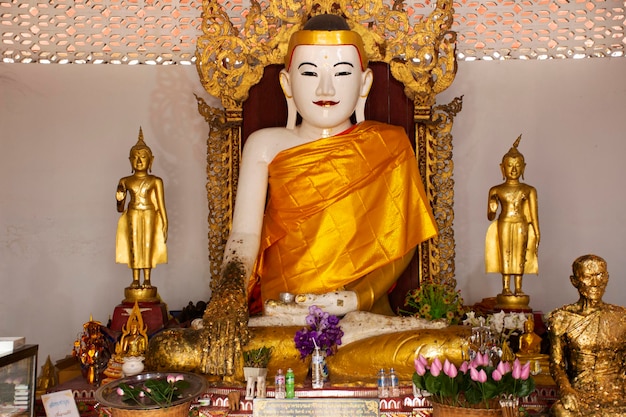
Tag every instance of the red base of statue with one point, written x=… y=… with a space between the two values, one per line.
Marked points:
x=154 y=315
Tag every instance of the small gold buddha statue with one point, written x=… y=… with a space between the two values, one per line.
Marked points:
x=530 y=348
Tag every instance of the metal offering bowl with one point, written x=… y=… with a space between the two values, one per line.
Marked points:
x=107 y=394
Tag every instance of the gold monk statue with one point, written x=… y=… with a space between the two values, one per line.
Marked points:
x=142 y=228
x=588 y=347
x=345 y=210
x=513 y=239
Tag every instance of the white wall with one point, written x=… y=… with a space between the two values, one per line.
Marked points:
x=65 y=133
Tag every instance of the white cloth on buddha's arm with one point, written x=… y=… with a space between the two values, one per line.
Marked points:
x=356 y=325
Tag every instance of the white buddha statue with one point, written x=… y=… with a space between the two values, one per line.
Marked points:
x=326 y=210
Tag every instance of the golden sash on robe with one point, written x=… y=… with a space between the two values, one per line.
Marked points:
x=339 y=208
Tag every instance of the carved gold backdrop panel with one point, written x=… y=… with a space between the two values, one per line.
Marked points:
x=165 y=31
x=231 y=58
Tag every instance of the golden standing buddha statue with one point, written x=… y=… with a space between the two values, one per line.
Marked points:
x=512 y=240
x=142 y=227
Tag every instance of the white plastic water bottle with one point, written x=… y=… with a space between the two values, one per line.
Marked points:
x=317 y=369
x=383 y=384
x=279 y=385
x=394 y=384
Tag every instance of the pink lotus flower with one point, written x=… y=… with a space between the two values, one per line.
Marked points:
x=478 y=375
x=449 y=369
x=525 y=371
x=161 y=390
x=496 y=375
x=517 y=369
x=421 y=364
x=436 y=367
x=422 y=359
x=420 y=368
x=452 y=385
x=503 y=367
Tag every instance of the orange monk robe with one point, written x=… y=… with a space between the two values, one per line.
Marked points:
x=339 y=208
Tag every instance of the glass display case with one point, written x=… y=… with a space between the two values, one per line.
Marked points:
x=18 y=382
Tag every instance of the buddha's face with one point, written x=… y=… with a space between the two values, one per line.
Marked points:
x=326 y=82
x=513 y=167
x=140 y=160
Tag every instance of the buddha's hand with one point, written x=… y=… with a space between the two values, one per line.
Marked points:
x=338 y=303
x=121 y=192
x=569 y=399
x=226 y=320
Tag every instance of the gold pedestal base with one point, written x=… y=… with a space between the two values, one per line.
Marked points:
x=146 y=295
x=513 y=302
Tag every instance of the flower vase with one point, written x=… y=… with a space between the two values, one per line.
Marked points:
x=322 y=368
x=510 y=407
x=252 y=376
x=132 y=365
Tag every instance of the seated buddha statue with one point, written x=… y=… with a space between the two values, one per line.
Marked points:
x=326 y=210
x=529 y=348
x=529 y=341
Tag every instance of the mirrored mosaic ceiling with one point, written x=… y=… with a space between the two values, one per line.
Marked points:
x=165 y=31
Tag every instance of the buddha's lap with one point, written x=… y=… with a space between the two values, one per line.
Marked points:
x=357 y=362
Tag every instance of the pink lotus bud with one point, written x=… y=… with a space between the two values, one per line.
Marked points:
x=464 y=367
x=449 y=369
x=517 y=369
x=171 y=379
x=478 y=376
x=525 y=371
x=496 y=375
x=420 y=369
x=436 y=367
x=482 y=376
x=179 y=377
x=422 y=359
x=143 y=394
x=503 y=368
x=480 y=360
x=119 y=391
